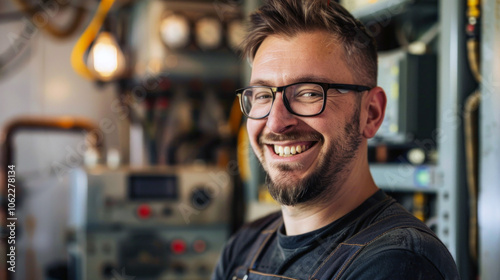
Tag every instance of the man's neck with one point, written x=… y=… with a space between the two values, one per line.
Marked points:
x=353 y=192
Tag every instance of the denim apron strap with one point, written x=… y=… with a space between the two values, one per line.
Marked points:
x=336 y=263
x=243 y=271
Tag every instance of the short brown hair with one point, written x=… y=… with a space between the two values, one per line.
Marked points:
x=289 y=17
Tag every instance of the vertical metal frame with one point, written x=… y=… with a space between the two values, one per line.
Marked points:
x=489 y=146
x=449 y=132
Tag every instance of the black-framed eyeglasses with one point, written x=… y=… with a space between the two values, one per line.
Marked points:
x=305 y=99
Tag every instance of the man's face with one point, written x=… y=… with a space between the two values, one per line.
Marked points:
x=325 y=144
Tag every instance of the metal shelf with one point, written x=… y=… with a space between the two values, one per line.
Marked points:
x=382 y=9
x=405 y=177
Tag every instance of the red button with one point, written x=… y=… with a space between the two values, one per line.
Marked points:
x=178 y=246
x=199 y=246
x=144 y=211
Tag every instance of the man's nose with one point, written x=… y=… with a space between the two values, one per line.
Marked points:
x=280 y=119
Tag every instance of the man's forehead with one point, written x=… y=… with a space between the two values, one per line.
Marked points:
x=294 y=79
x=310 y=56
x=312 y=39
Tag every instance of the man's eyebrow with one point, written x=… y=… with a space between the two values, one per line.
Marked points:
x=260 y=83
x=300 y=79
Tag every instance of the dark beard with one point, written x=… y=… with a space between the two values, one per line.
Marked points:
x=331 y=169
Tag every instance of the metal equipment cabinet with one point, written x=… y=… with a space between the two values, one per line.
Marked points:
x=447 y=176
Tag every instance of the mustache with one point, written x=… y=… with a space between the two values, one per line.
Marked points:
x=290 y=136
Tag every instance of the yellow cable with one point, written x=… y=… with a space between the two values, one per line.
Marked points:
x=471 y=127
x=243 y=145
x=235 y=117
x=474 y=59
x=473 y=8
x=243 y=156
x=87 y=38
x=471 y=132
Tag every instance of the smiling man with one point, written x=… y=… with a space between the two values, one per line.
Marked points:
x=311 y=105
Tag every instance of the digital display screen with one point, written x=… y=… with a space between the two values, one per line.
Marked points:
x=153 y=187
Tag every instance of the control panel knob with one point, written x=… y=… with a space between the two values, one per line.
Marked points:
x=179 y=268
x=108 y=269
x=201 y=197
x=203 y=270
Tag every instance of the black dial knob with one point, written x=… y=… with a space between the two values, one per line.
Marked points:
x=201 y=197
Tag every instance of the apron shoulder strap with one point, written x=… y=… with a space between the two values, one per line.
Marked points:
x=257 y=247
x=346 y=251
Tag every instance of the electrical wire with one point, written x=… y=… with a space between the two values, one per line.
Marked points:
x=88 y=36
x=471 y=143
x=242 y=147
x=473 y=57
x=20 y=41
x=235 y=116
x=243 y=154
x=471 y=123
x=48 y=26
x=16 y=48
x=425 y=39
x=430 y=34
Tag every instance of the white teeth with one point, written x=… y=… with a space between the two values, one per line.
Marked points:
x=284 y=151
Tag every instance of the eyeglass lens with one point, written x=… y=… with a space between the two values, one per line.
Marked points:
x=303 y=99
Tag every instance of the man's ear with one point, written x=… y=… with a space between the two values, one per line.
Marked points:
x=374 y=105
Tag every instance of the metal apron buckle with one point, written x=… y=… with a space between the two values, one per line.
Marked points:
x=236 y=277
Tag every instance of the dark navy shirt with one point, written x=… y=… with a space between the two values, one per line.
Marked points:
x=400 y=253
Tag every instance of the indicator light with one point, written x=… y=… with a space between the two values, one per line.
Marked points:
x=178 y=246
x=144 y=211
x=423 y=177
x=199 y=246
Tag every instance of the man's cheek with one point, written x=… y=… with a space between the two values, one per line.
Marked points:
x=253 y=136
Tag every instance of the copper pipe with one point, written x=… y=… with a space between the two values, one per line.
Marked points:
x=58 y=124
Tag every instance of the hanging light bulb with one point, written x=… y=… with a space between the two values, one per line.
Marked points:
x=175 y=31
x=106 y=59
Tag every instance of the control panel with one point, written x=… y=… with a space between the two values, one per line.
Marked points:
x=410 y=114
x=155 y=223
